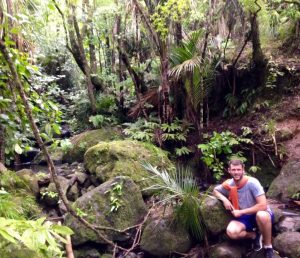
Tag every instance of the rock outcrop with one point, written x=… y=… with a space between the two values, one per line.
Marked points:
x=287 y=183
x=215 y=217
x=110 y=159
x=85 y=140
x=162 y=237
x=288 y=244
x=99 y=208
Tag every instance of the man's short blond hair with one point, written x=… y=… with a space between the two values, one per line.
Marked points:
x=236 y=162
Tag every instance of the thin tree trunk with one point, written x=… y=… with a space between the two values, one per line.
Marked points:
x=35 y=130
x=178 y=33
x=162 y=49
x=135 y=78
x=2 y=144
x=76 y=48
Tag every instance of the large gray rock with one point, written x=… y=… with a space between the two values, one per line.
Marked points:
x=288 y=224
x=228 y=250
x=287 y=183
x=110 y=159
x=215 y=217
x=85 y=140
x=95 y=206
x=164 y=236
x=288 y=244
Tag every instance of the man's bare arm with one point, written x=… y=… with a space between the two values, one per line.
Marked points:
x=227 y=204
x=261 y=205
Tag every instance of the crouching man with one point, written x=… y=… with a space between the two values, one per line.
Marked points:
x=245 y=198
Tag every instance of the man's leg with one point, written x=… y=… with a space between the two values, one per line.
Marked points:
x=237 y=230
x=264 y=223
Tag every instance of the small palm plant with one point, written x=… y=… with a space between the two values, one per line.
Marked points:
x=180 y=189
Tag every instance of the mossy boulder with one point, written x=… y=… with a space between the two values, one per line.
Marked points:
x=31 y=179
x=87 y=253
x=287 y=183
x=85 y=140
x=11 y=182
x=99 y=208
x=164 y=236
x=15 y=250
x=215 y=217
x=111 y=159
x=20 y=202
x=288 y=244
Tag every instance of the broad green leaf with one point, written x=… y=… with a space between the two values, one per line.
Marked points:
x=63 y=230
x=48 y=130
x=56 y=128
x=18 y=149
x=7 y=236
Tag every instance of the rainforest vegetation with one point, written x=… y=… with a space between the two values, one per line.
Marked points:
x=203 y=80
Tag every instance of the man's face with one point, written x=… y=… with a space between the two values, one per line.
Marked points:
x=236 y=171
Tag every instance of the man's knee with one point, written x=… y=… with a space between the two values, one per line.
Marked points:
x=263 y=217
x=232 y=232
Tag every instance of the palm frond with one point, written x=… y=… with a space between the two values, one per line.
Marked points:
x=181 y=187
x=187 y=66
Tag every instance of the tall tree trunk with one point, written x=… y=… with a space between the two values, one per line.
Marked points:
x=163 y=52
x=257 y=54
x=2 y=144
x=178 y=33
x=258 y=58
x=80 y=57
x=74 y=43
x=165 y=84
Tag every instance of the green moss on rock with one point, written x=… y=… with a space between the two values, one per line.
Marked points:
x=85 y=140
x=215 y=217
x=287 y=183
x=111 y=159
x=163 y=237
x=96 y=205
x=20 y=195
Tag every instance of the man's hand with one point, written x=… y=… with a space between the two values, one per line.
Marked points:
x=227 y=204
x=237 y=213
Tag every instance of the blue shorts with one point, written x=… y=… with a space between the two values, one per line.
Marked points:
x=250 y=220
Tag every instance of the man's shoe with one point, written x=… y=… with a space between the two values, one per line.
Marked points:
x=257 y=242
x=269 y=253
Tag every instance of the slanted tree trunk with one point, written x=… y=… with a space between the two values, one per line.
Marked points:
x=74 y=43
